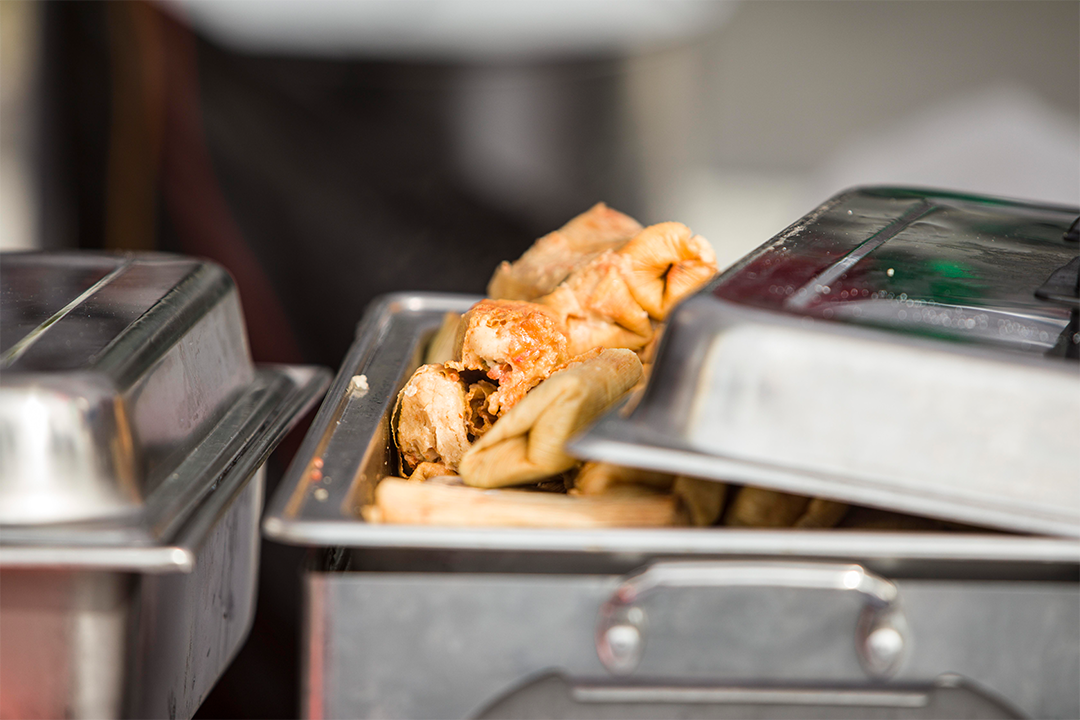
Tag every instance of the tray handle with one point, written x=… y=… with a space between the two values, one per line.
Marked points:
x=881 y=631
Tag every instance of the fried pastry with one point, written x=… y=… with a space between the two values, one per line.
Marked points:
x=427 y=470
x=551 y=258
x=822 y=513
x=431 y=417
x=516 y=344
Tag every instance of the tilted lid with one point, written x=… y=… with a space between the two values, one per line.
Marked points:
x=900 y=348
x=127 y=390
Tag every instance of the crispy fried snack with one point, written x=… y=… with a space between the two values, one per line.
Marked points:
x=526 y=444
x=552 y=257
x=667 y=263
x=516 y=344
x=432 y=417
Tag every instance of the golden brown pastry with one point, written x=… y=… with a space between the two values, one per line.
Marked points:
x=527 y=442
x=516 y=344
x=551 y=258
x=431 y=417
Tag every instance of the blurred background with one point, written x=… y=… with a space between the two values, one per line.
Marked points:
x=326 y=152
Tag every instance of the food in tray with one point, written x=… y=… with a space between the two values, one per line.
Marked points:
x=551 y=258
x=481 y=427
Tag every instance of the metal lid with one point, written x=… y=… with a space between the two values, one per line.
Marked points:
x=127 y=395
x=889 y=349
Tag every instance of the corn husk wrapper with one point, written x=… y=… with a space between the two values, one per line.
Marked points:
x=599 y=478
x=667 y=263
x=758 y=507
x=402 y=501
x=703 y=499
x=527 y=442
x=596 y=308
x=822 y=513
x=441 y=347
x=551 y=258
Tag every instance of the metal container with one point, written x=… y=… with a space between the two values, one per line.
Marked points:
x=410 y=621
x=133 y=430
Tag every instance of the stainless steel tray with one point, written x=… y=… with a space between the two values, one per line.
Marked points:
x=128 y=398
x=350 y=438
x=133 y=430
x=890 y=349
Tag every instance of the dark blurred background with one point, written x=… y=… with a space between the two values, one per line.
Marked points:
x=329 y=152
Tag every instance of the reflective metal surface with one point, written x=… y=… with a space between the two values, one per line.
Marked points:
x=102 y=397
x=133 y=430
x=126 y=402
x=552 y=696
x=879 y=642
x=887 y=350
x=475 y=637
x=107 y=644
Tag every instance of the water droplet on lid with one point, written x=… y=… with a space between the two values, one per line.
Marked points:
x=890 y=272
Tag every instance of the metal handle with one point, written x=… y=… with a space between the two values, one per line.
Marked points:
x=880 y=631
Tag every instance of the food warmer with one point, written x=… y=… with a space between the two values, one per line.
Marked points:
x=133 y=431
x=912 y=353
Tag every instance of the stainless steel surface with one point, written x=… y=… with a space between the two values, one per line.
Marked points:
x=191 y=625
x=109 y=644
x=101 y=400
x=473 y=638
x=879 y=641
x=134 y=427
x=128 y=392
x=887 y=350
x=552 y=696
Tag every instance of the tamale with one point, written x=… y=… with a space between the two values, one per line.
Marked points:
x=527 y=443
